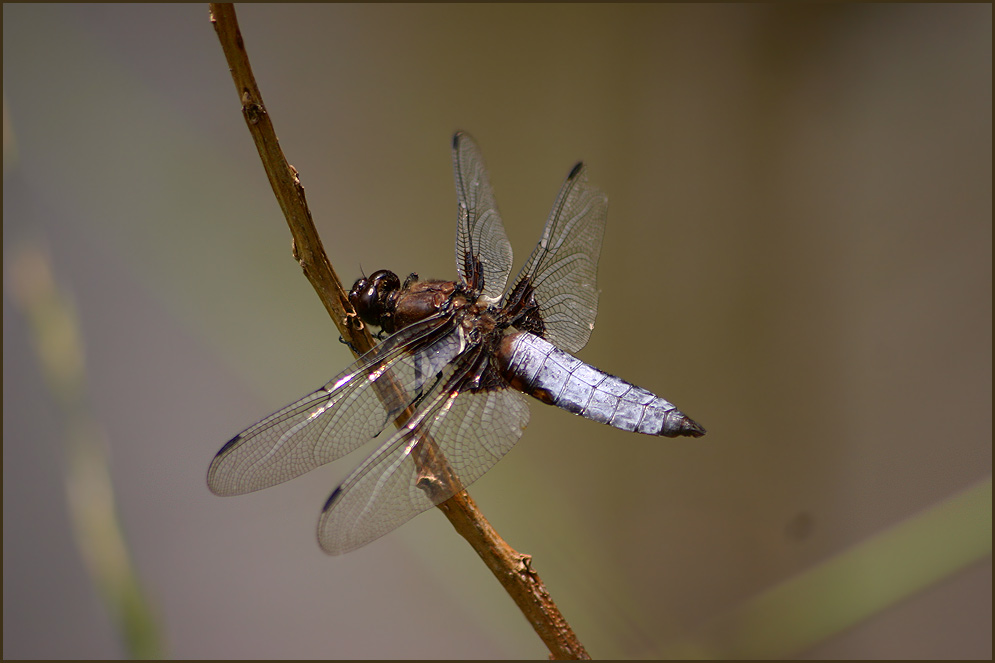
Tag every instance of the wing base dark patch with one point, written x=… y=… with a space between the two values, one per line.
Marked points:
x=523 y=309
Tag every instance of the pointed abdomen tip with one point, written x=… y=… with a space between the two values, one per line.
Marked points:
x=681 y=425
x=691 y=428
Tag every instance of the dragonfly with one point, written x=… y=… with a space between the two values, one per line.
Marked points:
x=454 y=370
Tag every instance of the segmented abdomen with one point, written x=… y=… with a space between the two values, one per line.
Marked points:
x=540 y=369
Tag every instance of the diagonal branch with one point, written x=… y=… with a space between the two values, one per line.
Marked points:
x=512 y=569
x=287 y=187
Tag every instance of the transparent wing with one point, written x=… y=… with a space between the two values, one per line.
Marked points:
x=473 y=430
x=352 y=408
x=483 y=252
x=563 y=268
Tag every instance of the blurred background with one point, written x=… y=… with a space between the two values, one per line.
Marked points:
x=798 y=255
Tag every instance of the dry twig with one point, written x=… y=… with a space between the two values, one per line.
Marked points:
x=512 y=569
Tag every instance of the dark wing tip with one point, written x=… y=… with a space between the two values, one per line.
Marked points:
x=458 y=136
x=331 y=499
x=212 y=483
x=579 y=166
x=228 y=445
x=327 y=543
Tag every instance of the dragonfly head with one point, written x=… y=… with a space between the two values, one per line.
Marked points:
x=375 y=296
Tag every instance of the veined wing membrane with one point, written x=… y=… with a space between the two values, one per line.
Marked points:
x=480 y=234
x=472 y=430
x=563 y=268
x=352 y=408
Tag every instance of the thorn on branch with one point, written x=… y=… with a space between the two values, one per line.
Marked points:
x=253 y=111
x=353 y=322
x=429 y=483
